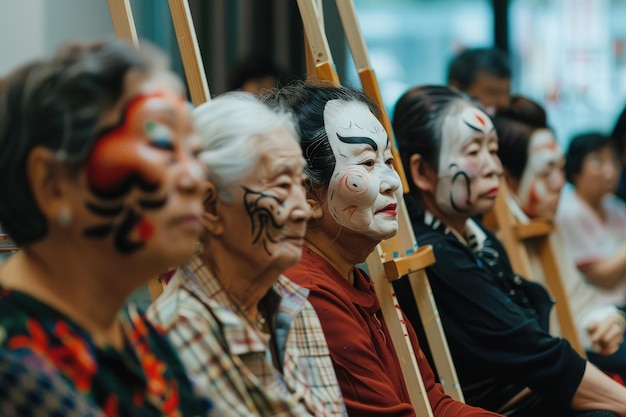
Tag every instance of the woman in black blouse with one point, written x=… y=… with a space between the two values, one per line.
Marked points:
x=496 y=322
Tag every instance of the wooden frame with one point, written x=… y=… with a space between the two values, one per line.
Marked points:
x=516 y=238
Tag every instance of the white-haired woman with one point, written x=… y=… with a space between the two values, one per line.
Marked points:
x=245 y=332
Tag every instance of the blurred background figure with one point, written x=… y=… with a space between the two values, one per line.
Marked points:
x=618 y=135
x=533 y=165
x=592 y=219
x=484 y=74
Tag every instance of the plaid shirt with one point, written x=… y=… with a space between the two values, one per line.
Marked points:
x=232 y=361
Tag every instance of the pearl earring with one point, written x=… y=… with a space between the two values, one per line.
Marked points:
x=64 y=217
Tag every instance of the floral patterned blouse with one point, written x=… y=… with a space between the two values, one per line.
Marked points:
x=145 y=379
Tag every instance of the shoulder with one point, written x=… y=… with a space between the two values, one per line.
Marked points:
x=13 y=320
x=314 y=274
x=615 y=204
x=177 y=304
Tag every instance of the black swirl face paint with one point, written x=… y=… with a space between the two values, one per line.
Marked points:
x=264 y=211
x=469 y=168
x=364 y=190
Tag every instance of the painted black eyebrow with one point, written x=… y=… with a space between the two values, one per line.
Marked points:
x=476 y=128
x=473 y=127
x=358 y=139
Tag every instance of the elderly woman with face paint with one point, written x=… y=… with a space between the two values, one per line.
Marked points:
x=246 y=333
x=496 y=322
x=354 y=193
x=533 y=165
x=100 y=189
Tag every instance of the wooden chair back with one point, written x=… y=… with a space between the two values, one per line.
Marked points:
x=524 y=242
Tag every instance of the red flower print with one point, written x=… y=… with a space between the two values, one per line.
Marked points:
x=111 y=406
x=37 y=341
x=159 y=389
x=154 y=370
x=81 y=364
x=70 y=356
x=172 y=399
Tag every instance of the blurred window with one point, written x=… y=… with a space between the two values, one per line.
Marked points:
x=410 y=42
x=569 y=55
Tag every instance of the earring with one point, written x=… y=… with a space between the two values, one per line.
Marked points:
x=64 y=217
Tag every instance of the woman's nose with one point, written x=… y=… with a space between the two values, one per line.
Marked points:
x=301 y=210
x=390 y=181
x=492 y=165
x=191 y=174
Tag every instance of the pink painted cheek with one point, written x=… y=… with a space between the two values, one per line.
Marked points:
x=353 y=184
x=536 y=198
x=472 y=169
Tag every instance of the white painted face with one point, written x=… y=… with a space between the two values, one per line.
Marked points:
x=542 y=180
x=364 y=189
x=469 y=167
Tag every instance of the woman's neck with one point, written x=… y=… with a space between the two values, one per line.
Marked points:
x=72 y=287
x=343 y=251
x=244 y=282
x=455 y=222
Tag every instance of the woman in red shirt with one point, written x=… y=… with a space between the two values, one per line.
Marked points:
x=354 y=193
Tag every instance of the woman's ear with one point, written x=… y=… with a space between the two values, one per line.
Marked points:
x=314 y=201
x=422 y=175
x=211 y=219
x=49 y=183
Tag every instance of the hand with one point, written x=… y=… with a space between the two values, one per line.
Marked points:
x=607 y=335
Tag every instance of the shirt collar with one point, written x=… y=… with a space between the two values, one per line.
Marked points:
x=239 y=331
x=473 y=236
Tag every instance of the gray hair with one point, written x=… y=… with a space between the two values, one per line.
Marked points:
x=230 y=126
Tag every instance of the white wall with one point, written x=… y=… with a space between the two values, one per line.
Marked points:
x=33 y=28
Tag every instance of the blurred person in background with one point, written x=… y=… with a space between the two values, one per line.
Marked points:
x=484 y=74
x=592 y=219
x=533 y=165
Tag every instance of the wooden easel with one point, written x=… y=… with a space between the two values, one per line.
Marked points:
x=124 y=27
x=517 y=237
x=400 y=255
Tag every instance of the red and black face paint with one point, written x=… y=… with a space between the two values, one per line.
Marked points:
x=126 y=170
